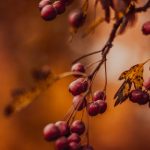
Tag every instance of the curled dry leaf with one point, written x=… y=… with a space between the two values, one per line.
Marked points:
x=132 y=76
x=22 y=98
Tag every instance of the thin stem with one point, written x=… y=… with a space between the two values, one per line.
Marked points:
x=105 y=87
x=91 y=64
x=86 y=55
x=87 y=132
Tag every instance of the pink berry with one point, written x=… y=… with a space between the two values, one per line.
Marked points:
x=87 y=147
x=93 y=109
x=59 y=7
x=48 y=12
x=136 y=95
x=43 y=3
x=78 y=67
x=63 y=128
x=147 y=84
x=78 y=86
x=79 y=101
x=99 y=95
x=62 y=143
x=51 y=132
x=102 y=106
x=77 y=127
x=74 y=137
x=146 y=28
x=74 y=146
x=76 y=18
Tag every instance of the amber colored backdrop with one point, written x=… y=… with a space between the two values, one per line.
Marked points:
x=27 y=42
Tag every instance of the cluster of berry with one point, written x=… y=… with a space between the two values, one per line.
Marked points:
x=141 y=96
x=67 y=137
x=79 y=86
x=66 y=134
x=49 y=10
x=146 y=28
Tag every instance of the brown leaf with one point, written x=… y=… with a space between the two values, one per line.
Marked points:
x=22 y=98
x=123 y=92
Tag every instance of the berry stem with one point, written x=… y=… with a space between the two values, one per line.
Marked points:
x=105 y=87
x=86 y=55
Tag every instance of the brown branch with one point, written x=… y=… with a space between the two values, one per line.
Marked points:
x=143 y=8
x=113 y=33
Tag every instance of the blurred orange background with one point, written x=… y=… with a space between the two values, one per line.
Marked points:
x=27 y=42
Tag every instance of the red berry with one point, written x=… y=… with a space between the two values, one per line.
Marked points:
x=48 y=12
x=51 y=132
x=62 y=143
x=78 y=86
x=76 y=18
x=79 y=101
x=43 y=3
x=102 y=106
x=144 y=99
x=74 y=146
x=74 y=137
x=63 y=128
x=146 y=28
x=93 y=109
x=147 y=84
x=78 y=67
x=59 y=7
x=136 y=95
x=99 y=95
x=87 y=147
x=77 y=127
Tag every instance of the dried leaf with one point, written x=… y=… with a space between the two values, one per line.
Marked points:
x=134 y=74
x=22 y=98
x=138 y=79
x=123 y=92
